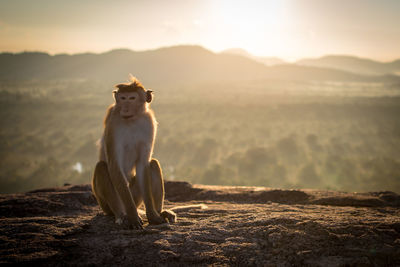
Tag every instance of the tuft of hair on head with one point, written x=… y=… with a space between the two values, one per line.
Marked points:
x=132 y=86
x=133 y=79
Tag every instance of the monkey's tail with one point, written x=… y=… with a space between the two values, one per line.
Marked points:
x=180 y=208
x=189 y=207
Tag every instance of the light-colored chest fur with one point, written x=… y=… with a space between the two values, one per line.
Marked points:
x=134 y=140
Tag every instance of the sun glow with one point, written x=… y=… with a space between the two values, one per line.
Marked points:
x=288 y=29
x=256 y=26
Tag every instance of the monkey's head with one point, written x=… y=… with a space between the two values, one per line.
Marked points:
x=131 y=98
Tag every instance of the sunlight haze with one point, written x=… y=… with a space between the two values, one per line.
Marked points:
x=287 y=29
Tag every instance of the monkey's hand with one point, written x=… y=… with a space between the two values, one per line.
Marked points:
x=132 y=223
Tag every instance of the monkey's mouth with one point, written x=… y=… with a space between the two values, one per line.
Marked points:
x=127 y=117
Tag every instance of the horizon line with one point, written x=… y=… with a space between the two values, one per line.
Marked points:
x=285 y=59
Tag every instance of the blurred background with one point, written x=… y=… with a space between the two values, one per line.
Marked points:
x=282 y=94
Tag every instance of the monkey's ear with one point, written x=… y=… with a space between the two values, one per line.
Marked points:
x=115 y=92
x=149 y=96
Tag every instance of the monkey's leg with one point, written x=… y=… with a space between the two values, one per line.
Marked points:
x=97 y=188
x=105 y=193
x=157 y=184
x=144 y=181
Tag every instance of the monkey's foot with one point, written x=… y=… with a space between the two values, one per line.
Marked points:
x=119 y=221
x=124 y=221
x=156 y=219
x=169 y=215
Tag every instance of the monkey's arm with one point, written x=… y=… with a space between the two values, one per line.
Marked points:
x=120 y=184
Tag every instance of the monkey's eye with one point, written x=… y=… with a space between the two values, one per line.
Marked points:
x=123 y=97
x=132 y=97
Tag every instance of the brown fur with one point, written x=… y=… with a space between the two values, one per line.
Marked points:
x=132 y=86
x=129 y=131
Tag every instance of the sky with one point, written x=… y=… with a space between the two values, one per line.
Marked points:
x=289 y=29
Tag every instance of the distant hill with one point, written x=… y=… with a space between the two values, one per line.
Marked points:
x=354 y=64
x=178 y=64
x=268 y=61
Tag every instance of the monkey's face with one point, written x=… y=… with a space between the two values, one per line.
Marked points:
x=129 y=103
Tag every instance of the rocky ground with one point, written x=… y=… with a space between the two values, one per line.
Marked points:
x=240 y=226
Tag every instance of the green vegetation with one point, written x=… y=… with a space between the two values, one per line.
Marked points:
x=276 y=134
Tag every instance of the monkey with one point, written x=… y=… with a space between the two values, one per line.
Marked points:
x=126 y=175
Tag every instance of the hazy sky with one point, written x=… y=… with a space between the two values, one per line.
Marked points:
x=289 y=29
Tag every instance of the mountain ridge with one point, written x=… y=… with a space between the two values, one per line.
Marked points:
x=353 y=64
x=185 y=64
x=349 y=63
x=268 y=61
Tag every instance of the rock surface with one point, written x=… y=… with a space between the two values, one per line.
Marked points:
x=240 y=226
